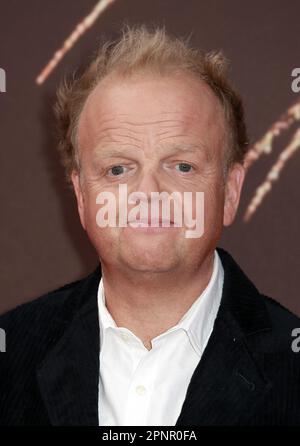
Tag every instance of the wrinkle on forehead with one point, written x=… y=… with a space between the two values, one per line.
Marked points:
x=162 y=151
x=116 y=112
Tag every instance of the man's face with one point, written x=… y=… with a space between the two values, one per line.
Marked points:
x=154 y=134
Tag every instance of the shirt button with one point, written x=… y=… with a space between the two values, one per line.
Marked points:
x=140 y=390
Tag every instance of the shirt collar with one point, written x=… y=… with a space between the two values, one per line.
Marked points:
x=197 y=322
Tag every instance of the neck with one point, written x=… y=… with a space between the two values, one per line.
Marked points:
x=148 y=304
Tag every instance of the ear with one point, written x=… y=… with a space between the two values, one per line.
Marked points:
x=233 y=187
x=79 y=196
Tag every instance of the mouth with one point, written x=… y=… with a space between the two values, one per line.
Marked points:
x=159 y=223
x=153 y=226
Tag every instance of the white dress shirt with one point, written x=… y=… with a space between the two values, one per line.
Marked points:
x=140 y=387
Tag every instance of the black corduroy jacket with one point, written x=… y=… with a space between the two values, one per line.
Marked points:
x=248 y=374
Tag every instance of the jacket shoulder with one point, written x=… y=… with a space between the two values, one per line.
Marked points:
x=32 y=326
x=50 y=301
x=282 y=318
x=284 y=334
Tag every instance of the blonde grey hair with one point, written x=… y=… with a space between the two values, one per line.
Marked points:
x=141 y=49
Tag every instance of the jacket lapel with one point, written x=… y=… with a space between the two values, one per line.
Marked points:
x=69 y=375
x=228 y=383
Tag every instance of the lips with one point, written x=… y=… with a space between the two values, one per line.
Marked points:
x=144 y=223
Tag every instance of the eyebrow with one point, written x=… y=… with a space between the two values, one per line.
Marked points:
x=110 y=152
x=187 y=147
x=116 y=151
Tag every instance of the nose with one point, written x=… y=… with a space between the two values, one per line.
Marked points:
x=158 y=205
x=148 y=182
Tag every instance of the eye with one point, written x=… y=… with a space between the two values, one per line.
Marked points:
x=116 y=170
x=183 y=167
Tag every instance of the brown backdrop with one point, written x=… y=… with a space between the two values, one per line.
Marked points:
x=42 y=243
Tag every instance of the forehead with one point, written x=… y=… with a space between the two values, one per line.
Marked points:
x=148 y=106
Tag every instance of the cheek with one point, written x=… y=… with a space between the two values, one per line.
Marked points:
x=105 y=240
x=213 y=206
x=100 y=236
x=90 y=209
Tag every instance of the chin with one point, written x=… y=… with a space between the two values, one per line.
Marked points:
x=149 y=258
x=150 y=267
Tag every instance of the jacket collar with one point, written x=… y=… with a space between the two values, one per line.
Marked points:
x=69 y=375
x=226 y=383
x=229 y=383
